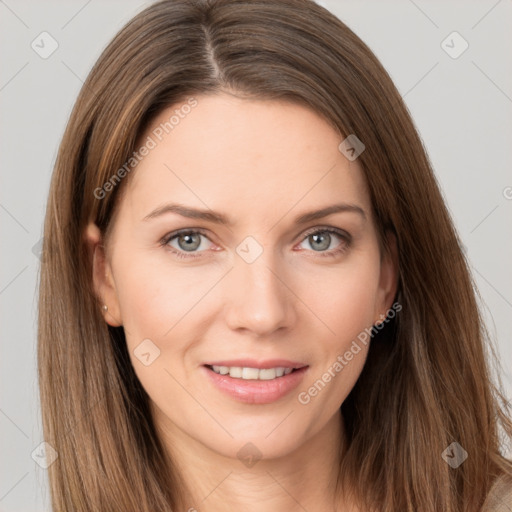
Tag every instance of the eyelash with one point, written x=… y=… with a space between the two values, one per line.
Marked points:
x=325 y=254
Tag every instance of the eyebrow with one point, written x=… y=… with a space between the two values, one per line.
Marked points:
x=219 y=218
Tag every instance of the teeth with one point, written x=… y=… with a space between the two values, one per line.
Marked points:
x=238 y=372
x=267 y=374
x=248 y=373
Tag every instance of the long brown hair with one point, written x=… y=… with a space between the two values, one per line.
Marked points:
x=427 y=382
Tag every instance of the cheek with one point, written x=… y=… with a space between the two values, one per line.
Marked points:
x=155 y=296
x=346 y=311
x=344 y=298
x=345 y=305
x=158 y=302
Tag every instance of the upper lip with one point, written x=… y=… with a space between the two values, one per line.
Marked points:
x=260 y=364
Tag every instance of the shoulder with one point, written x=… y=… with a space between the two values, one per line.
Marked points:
x=499 y=498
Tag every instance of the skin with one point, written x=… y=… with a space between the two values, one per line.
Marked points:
x=260 y=163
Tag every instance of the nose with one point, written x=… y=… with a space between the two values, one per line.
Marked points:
x=259 y=296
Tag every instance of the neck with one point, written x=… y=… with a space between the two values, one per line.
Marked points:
x=305 y=479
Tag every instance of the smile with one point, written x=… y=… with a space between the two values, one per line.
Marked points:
x=252 y=382
x=246 y=373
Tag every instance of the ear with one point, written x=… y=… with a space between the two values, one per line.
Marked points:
x=388 y=280
x=103 y=281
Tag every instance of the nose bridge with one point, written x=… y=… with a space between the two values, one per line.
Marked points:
x=260 y=301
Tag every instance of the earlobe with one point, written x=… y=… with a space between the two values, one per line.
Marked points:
x=102 y=278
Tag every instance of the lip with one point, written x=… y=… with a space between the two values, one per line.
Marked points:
x=254 y=391
x=261 y=365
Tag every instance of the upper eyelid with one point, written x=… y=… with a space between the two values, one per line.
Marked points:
x=332 y=229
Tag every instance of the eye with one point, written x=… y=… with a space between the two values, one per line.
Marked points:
x=185 y=241
x=321 y=239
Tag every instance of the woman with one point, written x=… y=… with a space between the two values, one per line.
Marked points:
x=253 y=296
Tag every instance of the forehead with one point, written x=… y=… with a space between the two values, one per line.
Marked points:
x=243 y=156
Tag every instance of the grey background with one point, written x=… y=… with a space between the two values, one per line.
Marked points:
x=462 y=108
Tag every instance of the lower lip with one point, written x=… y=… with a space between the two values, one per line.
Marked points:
x=256 y=391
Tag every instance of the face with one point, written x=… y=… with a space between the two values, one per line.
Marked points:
x=237 y=299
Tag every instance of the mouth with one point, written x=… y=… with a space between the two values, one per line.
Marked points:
x=255 y=383
x=248 y=373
